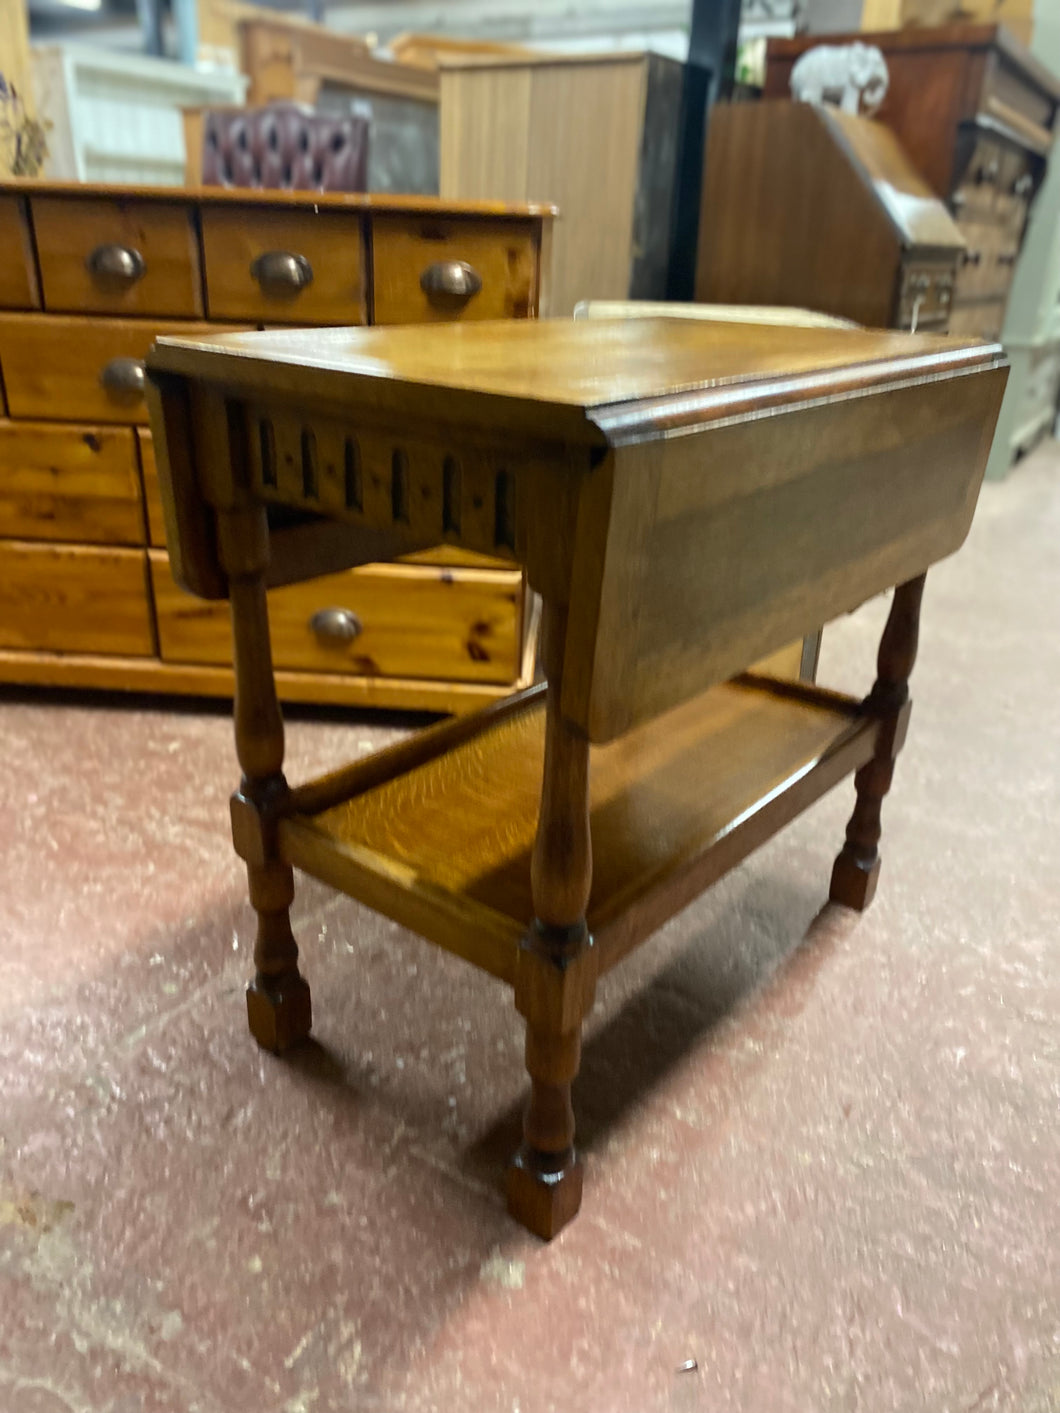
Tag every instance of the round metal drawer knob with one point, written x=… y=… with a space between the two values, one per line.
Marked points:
x=125 y=376
x=336 y=625
x=452 y=279
x=116 y=264
x=282 y=271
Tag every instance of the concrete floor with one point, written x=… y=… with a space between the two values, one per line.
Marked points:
x=823 y=1149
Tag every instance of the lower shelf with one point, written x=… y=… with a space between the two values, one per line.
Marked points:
x=437 y=832
x=30 y=668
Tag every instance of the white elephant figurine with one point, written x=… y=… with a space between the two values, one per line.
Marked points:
x=853 y=76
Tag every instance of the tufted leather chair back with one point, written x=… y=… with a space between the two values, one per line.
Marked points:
x=285 y=146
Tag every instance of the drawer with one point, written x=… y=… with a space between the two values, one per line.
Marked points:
x=79 y=370
x=989 y=263
x=1014 y=187
x=74 y=598
x=426 y=269
x=390 y=620
x=118 y=257
x=976 y=194
x=69 y=483
x=296 y=267
x=156 y=525
x=18 y=270
x=982 y=319
x=926 y=290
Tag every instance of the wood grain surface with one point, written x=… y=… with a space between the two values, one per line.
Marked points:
x=463 y=824
x=233 y=237
x=417 y=621
x=503 y=256
x=164 y=236
x=74 y=598
x=585 y=380
x=53 y=365
x=69 y=483
x=18 y=271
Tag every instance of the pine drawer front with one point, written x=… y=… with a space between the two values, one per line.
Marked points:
x=79 y=369
x=18 y=270
x=426 y=270
x=74 y=598
x=156 y=525
x=293 y=267
x=462 y=625
x=118 y=257
x=64 y=483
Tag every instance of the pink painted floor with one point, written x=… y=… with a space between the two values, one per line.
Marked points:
x=823 y=1149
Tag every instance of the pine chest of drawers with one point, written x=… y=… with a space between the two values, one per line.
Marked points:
x=89 y=277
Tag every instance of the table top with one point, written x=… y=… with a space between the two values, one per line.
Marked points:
x=625 y=379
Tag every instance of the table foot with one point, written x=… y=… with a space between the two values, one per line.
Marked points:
x=542 y=1197
x=854 y=882
x=279 y=1011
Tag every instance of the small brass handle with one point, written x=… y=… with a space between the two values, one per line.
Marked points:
x=118 y=263
x=124 y=375
x=1007 y=257
x=973 y=257
x=336 y=625
x=282 y=271
x=1022 y=185
x=454 y=279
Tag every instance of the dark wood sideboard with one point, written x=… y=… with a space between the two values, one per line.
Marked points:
x=976 y=113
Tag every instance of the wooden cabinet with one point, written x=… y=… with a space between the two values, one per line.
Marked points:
x=976 y=112
x=809 y=206
x=89 y=278
x=595 y=133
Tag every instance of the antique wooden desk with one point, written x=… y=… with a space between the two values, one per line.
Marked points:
x=686 y=497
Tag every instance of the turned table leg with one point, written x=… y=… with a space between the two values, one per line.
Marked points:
x=278 y=1001
x=857 y=868
x=556 y=974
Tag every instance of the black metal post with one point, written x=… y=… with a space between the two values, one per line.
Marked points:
x=709 y=76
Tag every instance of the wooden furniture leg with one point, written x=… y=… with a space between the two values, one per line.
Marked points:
x=556 y=973
x=857 y=867
x=278 y=1001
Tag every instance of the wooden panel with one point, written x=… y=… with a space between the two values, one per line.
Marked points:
x=18 y=272
x=150 y=674
x=502 y=254
x=72 y=597
x=448 y=840
x=69 y=483
x=332 y=243
x=54 y=365
x=789 y=218
x=801 y=518
x=484 y=158
x=161 y=236
x=526 y=132
x=448 y=624
x=156 y=525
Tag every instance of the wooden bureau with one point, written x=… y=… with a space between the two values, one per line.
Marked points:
x=806 y=205
x=976 y=113
x=89 y=277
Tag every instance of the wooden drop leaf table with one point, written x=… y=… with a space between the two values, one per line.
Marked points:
x=686 y=498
